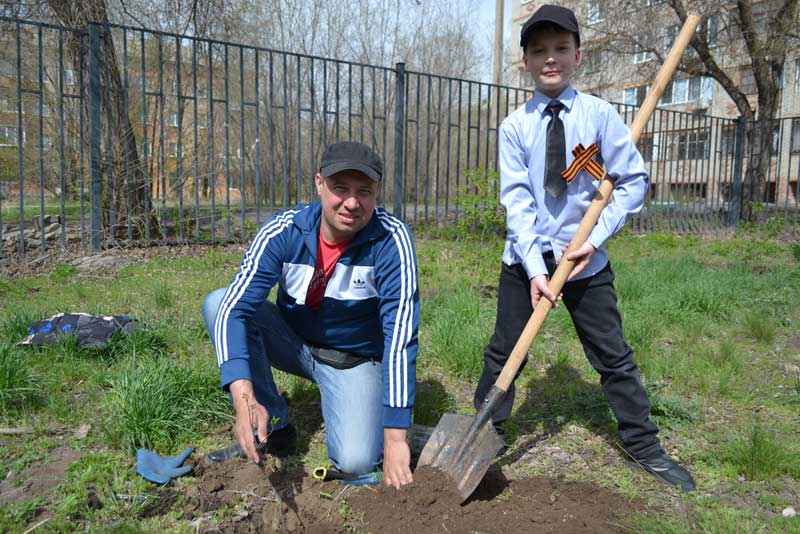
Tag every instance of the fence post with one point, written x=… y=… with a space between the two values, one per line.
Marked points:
x=736 y=186
x=95 y=188
x=399 y=138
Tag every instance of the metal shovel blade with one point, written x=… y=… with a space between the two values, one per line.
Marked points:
x=464 y=453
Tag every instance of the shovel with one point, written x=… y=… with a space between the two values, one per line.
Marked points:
x=463 y=446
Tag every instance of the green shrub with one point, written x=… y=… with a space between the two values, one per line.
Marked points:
x=15 y=323
x=163 y=296
x=479 y=200
x=760 y=327
x=157 y=404
x=19 y=387
x=760 y=454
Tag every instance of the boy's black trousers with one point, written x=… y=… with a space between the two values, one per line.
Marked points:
x=592 y=304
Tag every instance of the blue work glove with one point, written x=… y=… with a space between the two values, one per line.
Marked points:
x=160 y=470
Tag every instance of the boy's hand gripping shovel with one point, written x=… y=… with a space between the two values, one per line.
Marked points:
x=464 y=446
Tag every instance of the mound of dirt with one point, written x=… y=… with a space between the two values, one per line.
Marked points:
x=259 y=499
x=431 y=504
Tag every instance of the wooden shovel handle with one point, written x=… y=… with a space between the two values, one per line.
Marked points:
x=601 y=198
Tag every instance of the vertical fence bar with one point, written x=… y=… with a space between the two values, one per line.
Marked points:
x=195 y=143
x=242 y=147
x=111 y=122
x=146 y=153
x=95 y=189
x=227 y=146
x=285 y=108
x=299 y=171
x=126 y=140
x=258 y=136
x=271 y=119
x=20 y=143
x=736 y=188
x=161 y=145
x=179 y=99
x=82 y=114
x=43 y=238
x=399 y=137
x=212 y=126
x=61 y=148
x=427 y=147
x=438 y=149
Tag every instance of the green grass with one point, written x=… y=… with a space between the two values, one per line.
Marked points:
x=155 y=404
x=761 y=454
x=713 y=324
x=20 y=389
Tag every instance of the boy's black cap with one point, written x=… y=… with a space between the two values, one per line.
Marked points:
x=560 y=16
x=351 y=156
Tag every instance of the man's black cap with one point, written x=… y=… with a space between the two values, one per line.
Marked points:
x=560 y=16
x=351 y=156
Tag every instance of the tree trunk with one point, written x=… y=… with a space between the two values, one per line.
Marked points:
x=122 y=171
x=759 y=154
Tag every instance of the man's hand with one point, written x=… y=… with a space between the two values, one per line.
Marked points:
x=396 y=458
x=581 y=257
x=539 y=289
x=250 y=416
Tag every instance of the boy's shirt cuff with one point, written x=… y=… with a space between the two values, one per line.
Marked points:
x=396 y=417
x=534 y=264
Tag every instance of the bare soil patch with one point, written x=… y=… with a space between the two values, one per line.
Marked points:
x=40 y=479
x=251 y=499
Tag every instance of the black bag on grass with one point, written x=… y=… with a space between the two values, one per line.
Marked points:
x=90 y=331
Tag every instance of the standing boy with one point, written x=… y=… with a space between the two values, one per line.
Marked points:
x=543 y=213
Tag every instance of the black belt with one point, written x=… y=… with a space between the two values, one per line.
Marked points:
x=339 y=359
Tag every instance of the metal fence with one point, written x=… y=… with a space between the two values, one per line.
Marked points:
x=113 y=134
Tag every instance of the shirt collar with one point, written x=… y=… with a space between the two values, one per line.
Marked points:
x=567 y=98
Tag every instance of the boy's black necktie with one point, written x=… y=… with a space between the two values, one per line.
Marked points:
x=556 y=157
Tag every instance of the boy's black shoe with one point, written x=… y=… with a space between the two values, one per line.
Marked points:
x=280 y=443
x=666 y=470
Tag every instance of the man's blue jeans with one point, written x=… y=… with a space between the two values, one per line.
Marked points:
x=352 y=399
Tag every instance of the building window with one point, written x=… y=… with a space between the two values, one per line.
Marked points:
x=669 y=37
x=69 y=77
x=748 y=84
x=797 y=75
x=713 y=25
x=795 y=142
x=693 y=144
x=727 y=145
x=634 y=96
x=591 y=61
x=173 y=119
x=686 y=90
x=6 y=105
x=141 y=82
x=640 y=55
x=173 y=150
x=595 y=13
x=8 y=136
x=650 y=146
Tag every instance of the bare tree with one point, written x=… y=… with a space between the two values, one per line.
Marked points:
x=756 y=33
